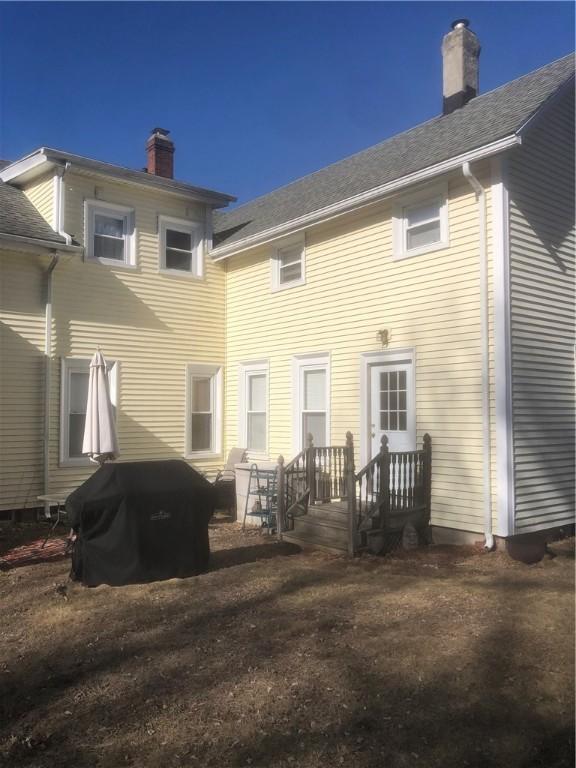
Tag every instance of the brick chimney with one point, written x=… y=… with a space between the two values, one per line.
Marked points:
x=160 y=151
x=461 y=54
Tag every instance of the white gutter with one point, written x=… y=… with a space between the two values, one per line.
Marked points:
x=48 y=377
x=362 y=199
x=484 y=332
x=35 y=244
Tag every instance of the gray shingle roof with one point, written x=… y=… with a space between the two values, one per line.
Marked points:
x=483 y=120
x=19 y=217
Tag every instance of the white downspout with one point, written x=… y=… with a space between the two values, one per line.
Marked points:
x=485 y=341
x=48 y=377
x=59 y=201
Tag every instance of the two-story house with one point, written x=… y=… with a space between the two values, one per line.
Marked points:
x=424 y=285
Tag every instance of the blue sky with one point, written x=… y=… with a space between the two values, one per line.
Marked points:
x=255 y=94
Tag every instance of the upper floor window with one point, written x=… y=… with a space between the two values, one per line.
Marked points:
x=288 y=264
x=109 y=232
x=421 y=223
x=180 y=246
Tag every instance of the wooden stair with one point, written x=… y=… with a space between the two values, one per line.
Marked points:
x=325 y=526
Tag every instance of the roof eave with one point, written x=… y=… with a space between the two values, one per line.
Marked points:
x=44 y=159
x=364 y=198
x=37 y=245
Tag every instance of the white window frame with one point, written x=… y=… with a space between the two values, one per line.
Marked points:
x=93 y=207
x=70 y=365
x=426 y=196
x=247 y=369
x=301 y=364
x=189 y=227
x=215 y=372
x=276 y=268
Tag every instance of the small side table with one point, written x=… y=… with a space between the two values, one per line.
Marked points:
x=57 y=500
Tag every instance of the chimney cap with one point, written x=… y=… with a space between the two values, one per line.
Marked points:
x=161 y=131
x=460 y=24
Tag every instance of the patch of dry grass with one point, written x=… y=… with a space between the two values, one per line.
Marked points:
x=281 y=658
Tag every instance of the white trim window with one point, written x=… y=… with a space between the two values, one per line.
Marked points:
x=203 y=410
x=254 y=407
x=181 y=246
x=75 y=373
x=311 y=401
x=109 y=233
x=420 y=223
x=288 y=264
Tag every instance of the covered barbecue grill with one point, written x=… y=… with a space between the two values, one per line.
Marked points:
x=140 y=521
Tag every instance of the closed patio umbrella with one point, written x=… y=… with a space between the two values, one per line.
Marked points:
x=100 y=441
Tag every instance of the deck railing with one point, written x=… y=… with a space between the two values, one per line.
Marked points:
x=392 y=483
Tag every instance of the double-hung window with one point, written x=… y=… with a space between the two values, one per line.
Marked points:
x=73 y=403
x=421 y=223
x=204 y=410
x=288 y=264
x=109 y=233
x=181 y=246
x=254 y=407
x=311 y=384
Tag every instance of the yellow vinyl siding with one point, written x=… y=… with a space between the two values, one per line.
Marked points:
x=152 y=324
x=21 y=378
x=41 y=195
x=354 y=288
x=542 y=246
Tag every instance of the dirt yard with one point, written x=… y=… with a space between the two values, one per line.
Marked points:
x=281 y=659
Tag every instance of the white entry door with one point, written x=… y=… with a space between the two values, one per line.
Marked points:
x=392 y=406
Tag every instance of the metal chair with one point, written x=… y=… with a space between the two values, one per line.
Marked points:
x=225 y=481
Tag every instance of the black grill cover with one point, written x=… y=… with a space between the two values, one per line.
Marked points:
x=140 y=521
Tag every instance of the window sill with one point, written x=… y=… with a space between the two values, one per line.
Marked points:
x=287 y=286
x=181 y=273
x=440 y=246
x=203 y=455
x=76 y=463
x=110 y=262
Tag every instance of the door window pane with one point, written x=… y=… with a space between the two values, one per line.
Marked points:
x=393 y=398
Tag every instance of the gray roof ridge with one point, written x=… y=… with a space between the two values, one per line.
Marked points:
x=475 y=100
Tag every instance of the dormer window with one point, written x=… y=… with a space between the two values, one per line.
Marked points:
x=109 y=233
x=288 y=264
x=180 y=247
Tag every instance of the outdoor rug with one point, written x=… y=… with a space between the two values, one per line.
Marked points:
x=32 y=552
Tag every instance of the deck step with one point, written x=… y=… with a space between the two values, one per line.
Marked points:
x=332 y=533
